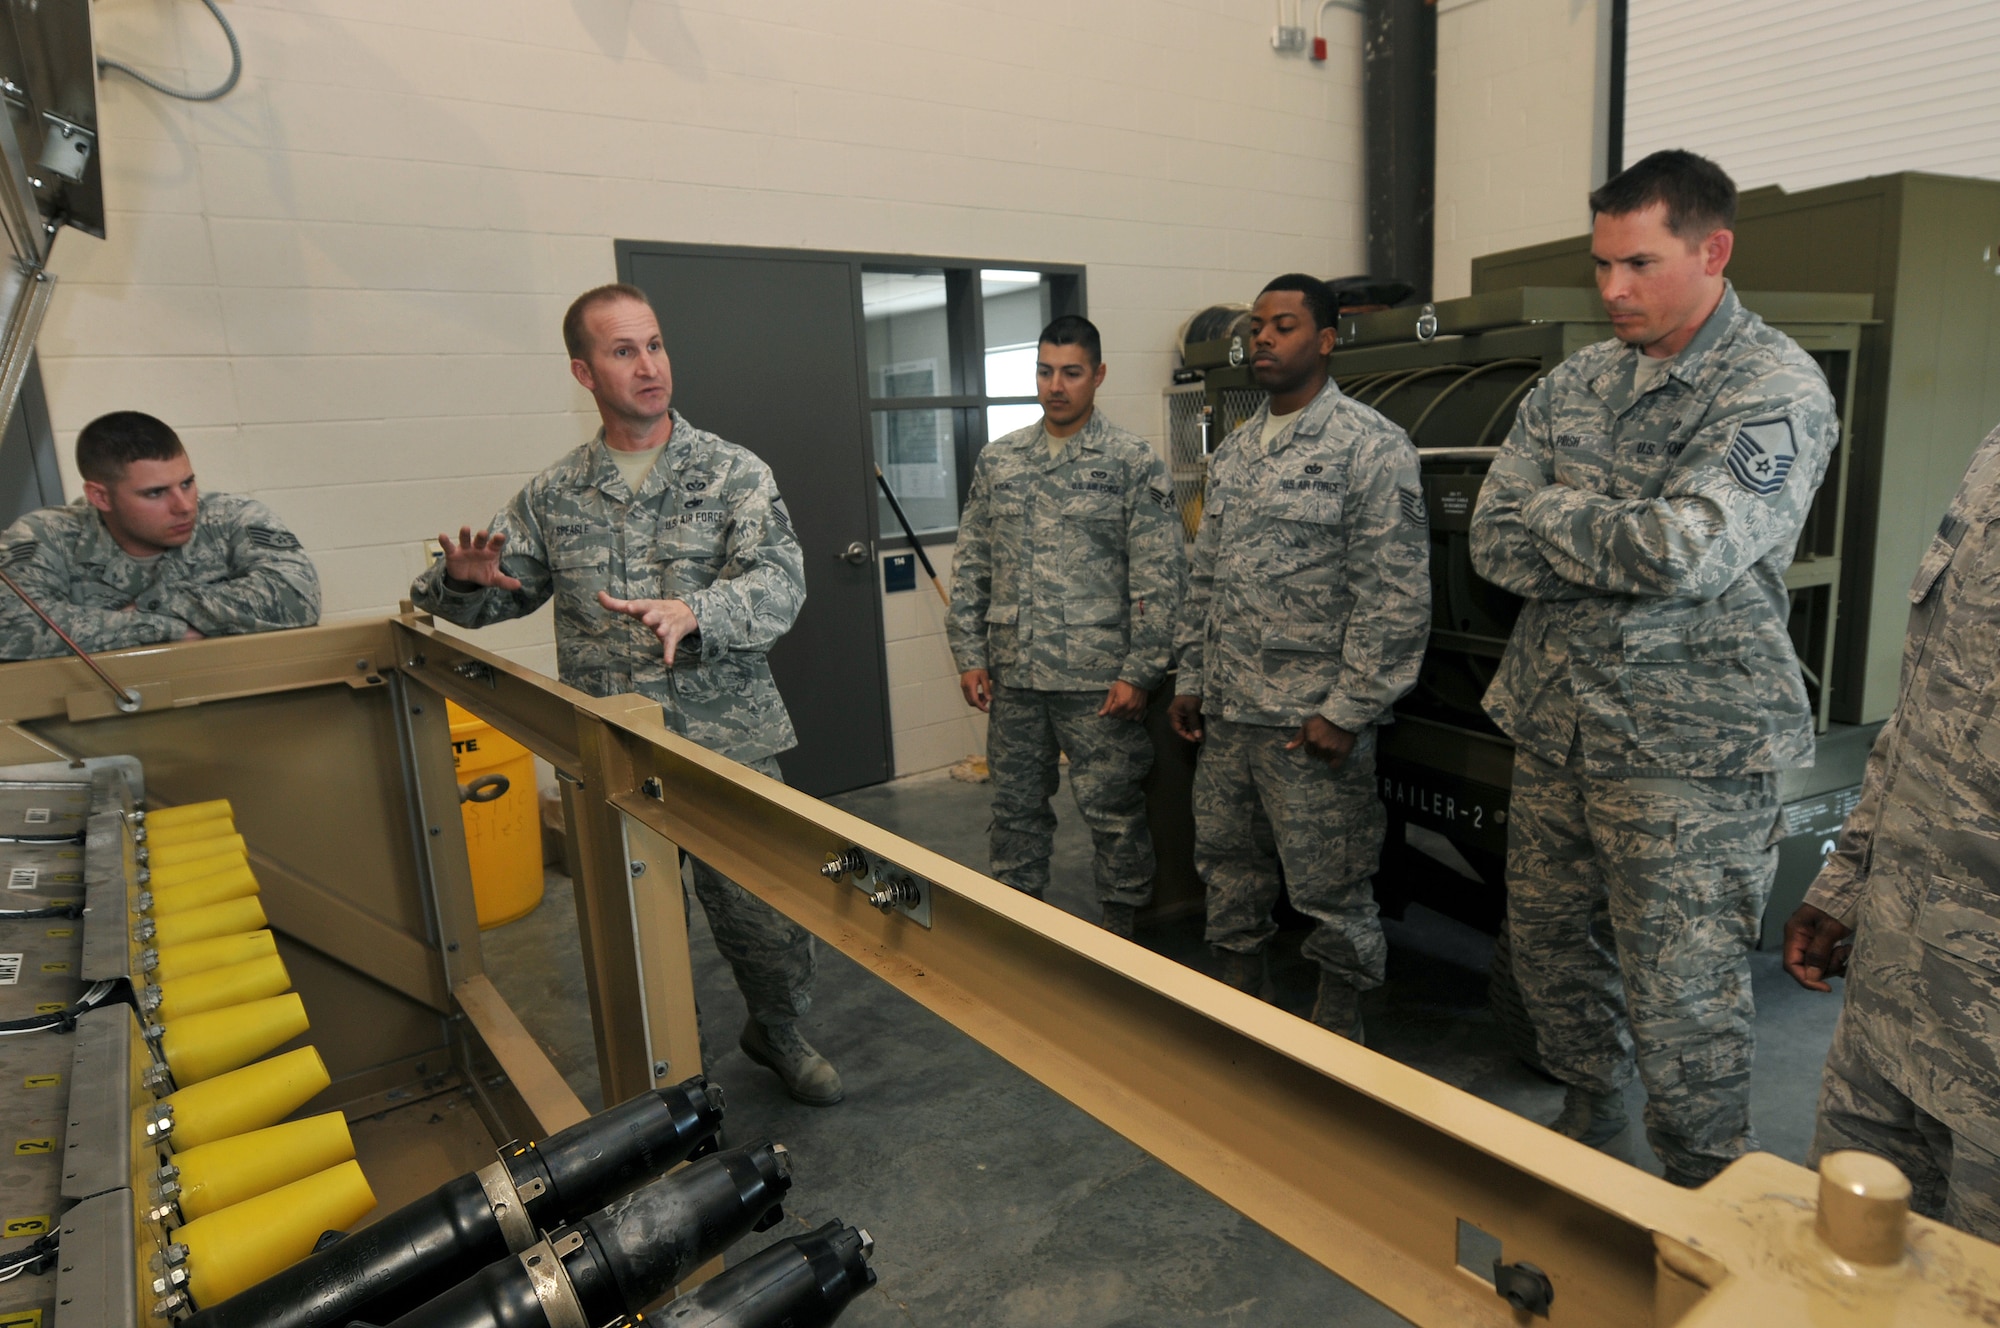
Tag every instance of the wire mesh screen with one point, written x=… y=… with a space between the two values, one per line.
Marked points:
x=1197 y=422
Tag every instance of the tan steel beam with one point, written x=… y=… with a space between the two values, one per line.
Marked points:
x=541 y=1086
x=1365 y=1165
x=604 y=904
x=192 y=672
x=535 y=711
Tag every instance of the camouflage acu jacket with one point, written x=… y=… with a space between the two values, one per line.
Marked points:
x=707 y=527
x=1070 y=568
x=241 y=572
x=1650 y=533
x=1310 y=589
x=1917 y=869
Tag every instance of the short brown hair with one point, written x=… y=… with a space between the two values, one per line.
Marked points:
x=112 y=442
x=575 y=339
x=1699 y=195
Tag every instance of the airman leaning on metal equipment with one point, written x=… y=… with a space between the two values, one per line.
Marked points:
x=1070 y=568
x=1914 y=1070
x=657 y=534
x=1308 y=607
x=143 y=557
x=1646 y=505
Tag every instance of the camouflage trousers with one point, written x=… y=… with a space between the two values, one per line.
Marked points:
x=771 y=956
x=1108 y=758
x=1633 y=903
x=1327 y=826
x=1952 y=1178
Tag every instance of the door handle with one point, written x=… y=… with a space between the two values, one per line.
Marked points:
x=856 y=553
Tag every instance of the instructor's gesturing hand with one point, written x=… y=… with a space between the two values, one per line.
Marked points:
x=671 y=620
x=476 y=558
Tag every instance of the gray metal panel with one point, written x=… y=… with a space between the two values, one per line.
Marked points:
x=29 y=477
x=97 y=1144
x=110 y=883
x=98 y=1286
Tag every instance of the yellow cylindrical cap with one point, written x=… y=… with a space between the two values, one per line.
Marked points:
x=172 y=962
x=228 y=1171
x=182 y=872
x=188 y=813
x=232 y=884
x=246 y=1099
x=220 y=988
x=201 y=1046
x=241 y=1245
x=170 y=855
x=200 y=924
x=161 y=836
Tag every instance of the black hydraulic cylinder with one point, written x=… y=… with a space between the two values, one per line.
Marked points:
x=800 y=1282
x=398 y=1263
x=624 y=1257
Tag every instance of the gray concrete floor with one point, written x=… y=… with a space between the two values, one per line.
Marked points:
x=995 y=1204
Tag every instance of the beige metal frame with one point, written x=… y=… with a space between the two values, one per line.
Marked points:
x=1369 y=1167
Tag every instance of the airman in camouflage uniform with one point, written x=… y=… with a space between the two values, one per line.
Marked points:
x=705 y=529
x=143 y=558
x=1307 y=613
x=1069 y=569
x=1651 y=689
x=1914 y=1071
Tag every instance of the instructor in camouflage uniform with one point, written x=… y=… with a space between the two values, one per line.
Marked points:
x=1308 y=607
x=1914 y=1072
x=1646 y=506
x=144 y=557
x=674 y=569
x=1069 y=570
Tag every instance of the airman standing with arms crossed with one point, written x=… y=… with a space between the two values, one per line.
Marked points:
x=674 y=569
x=1069 y=570
x=1308 y=609
x=1646 y=506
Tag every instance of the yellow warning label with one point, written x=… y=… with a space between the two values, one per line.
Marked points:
x=61 y=933
x=37 y=1225
x=51 y=1007
x=20 y=1319
x=40 y=1081
x=27 y=1147
x=57 y=903
x=58 y=966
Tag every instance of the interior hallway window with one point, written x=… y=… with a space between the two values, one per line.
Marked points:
x=951 y=365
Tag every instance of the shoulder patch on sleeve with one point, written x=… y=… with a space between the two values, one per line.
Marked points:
x=15 y=554
x=1164 y=497
x=782 y=515
x=1762 y=454
x=271 y=537
x=1414 y=511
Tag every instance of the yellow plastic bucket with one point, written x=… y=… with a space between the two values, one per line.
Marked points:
x=503 y=837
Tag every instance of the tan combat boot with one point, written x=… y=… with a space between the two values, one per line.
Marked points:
x=809 y=1077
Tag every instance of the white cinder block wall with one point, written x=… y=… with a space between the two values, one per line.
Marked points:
x=343 y=282
x=1520 y=127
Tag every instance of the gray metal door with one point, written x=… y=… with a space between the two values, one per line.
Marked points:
x=765 y=353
